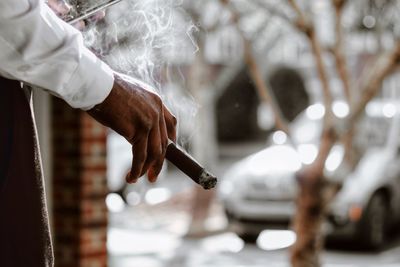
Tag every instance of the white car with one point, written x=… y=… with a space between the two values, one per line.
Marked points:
x=258 y=192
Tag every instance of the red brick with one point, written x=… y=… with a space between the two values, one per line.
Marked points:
x=93 y=211
x=94 y=261
x=79 y=188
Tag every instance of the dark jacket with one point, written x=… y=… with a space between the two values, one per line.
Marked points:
x=24 y=232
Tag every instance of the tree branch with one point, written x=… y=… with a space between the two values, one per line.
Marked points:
x=341 y=64
x=263 y=90
x=273 y=10
x=384 y=66
x=302 y=23
x=305 y=26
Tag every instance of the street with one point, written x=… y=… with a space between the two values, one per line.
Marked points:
x=155 y=238
x=153 y=234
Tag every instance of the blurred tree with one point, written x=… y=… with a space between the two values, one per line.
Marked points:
x=215 y=67
x=204 y=143
x=316 y=190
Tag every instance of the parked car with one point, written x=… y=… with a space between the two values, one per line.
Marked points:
x=258 y=192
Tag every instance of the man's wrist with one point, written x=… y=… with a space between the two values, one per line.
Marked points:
x=92 y=82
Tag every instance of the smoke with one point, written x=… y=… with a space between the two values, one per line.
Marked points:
x=148 y=40
x=141 y=37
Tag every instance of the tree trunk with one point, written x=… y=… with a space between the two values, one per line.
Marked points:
x=204 y=142
x=314 y=193
x=308 y=221
x=200 y=209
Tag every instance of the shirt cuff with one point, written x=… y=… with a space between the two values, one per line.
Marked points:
x=91 y=82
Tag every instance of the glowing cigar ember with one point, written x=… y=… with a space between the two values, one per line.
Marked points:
x=190 y=167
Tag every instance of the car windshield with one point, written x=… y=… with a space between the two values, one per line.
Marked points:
x=376 y=124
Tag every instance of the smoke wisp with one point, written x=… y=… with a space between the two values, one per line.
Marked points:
x=149 y=40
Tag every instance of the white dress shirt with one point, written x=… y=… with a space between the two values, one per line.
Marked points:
x=40 y=49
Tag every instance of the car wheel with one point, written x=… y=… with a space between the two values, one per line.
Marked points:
x=373 y=228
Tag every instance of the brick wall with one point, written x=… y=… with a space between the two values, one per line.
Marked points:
x=79 y=188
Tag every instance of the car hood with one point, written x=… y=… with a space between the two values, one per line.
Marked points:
x=274 y=161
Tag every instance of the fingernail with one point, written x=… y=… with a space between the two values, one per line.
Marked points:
x=152 y=176
x=130 y=179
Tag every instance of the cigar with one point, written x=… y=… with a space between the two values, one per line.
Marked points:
x=189 y=166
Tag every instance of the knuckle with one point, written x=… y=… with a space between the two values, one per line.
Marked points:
x=157 y=99
x=147 y=124
x=152 y=116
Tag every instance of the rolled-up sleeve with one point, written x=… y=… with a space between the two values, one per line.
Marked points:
x=40 y=49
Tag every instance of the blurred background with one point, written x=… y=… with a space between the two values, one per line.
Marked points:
x=246 y=80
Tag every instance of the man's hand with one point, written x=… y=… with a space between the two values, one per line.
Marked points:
x=139 y=115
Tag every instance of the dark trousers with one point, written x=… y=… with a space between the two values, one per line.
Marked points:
x=24 y=231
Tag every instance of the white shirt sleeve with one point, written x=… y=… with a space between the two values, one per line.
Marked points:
x=40 y=49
